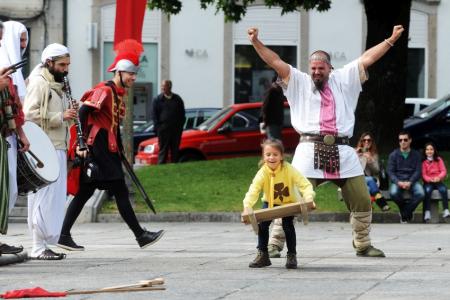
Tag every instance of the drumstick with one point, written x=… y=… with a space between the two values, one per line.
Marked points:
x=39 y=164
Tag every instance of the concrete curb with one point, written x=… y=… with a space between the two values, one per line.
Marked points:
x=7 y=259
x=377 y=217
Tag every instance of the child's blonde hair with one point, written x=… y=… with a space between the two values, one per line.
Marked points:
x=275 y=143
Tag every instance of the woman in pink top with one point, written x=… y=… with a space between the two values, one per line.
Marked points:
x=433 y=175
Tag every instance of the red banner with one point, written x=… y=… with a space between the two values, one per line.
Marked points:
x=129 y=20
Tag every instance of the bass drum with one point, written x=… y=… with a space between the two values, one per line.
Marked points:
x=30 y=175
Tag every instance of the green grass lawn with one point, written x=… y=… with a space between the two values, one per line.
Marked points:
x=207 y=186
x=215 y=185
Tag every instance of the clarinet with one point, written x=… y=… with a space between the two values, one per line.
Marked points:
x=81 y=144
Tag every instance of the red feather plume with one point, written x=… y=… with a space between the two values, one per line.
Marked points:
x=129 y=45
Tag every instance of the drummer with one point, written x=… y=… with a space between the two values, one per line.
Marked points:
x=278 y=181
x=10 y=130
x=46 y=206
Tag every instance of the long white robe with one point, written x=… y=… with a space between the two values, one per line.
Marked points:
x=46 y=209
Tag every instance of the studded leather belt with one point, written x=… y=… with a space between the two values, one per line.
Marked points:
x=326 y=151
x=327 y=139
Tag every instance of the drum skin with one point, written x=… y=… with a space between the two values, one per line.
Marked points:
x=30 y=177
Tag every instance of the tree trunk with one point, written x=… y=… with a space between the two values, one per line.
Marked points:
x=381 y=103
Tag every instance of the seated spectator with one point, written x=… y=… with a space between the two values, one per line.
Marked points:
x=405 y=170
x=433 y=175
x=368 y=156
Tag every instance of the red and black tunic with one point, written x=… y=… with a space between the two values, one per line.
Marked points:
x=100 y=116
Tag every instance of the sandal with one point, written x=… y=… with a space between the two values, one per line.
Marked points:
x=62 y=255
x=48 y=254
x=7 y=249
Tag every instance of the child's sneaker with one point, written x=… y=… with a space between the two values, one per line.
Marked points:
x=291 y=261
x=446 y=214
x=262 y=260
x=427 y=216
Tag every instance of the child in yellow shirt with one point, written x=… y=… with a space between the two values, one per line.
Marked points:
x=277 y=180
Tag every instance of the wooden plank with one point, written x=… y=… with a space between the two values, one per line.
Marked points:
x=268 y=214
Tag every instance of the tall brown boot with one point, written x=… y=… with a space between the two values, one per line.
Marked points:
x=262 y=260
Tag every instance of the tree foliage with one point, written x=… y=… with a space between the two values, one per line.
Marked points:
x=235 y=10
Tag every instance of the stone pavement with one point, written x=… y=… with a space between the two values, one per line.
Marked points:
x=210 y=261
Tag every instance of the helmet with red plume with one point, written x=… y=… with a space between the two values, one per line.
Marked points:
x=127 y=58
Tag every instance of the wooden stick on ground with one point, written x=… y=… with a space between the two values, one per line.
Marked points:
x=141 y=283
x=135 y=289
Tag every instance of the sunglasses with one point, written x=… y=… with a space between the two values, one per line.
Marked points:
x=403 y=140
x=367 y=140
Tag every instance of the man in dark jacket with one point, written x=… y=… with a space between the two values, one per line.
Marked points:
x=169 y=117
x=405 y=169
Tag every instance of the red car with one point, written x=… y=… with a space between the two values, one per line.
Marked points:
x=231 y=132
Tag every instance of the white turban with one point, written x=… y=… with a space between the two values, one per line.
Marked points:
x=11 y=53
x=53 y=50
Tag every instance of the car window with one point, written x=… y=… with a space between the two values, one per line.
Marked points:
x=216 y=118
x=204 y=115
x=245 y=120
x=422 y=106
x=434 y=108
x=190 y=120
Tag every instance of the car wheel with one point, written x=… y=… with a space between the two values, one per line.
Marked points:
x=190 y=156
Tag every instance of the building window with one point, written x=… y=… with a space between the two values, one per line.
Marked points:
x=252 y=76
x=415 y=80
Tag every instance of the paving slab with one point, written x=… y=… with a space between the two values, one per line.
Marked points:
x=201 y=260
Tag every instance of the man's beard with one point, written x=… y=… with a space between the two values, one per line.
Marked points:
x=59 y=76
x=319 y=84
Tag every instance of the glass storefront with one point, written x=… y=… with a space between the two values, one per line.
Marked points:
x=252 y=76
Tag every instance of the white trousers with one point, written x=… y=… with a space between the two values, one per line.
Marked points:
x=46 y=209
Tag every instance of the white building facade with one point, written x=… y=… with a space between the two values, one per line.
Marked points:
x=212 y=64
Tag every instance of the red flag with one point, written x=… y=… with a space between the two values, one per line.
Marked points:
x=31 y=293
x=129 y=20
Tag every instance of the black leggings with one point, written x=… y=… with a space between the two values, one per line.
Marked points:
x=118 y=189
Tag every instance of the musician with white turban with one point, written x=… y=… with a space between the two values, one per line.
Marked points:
x=14 y=40
x=46 y=106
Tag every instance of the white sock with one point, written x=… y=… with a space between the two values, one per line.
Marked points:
x=446 y=213
x=427 y=215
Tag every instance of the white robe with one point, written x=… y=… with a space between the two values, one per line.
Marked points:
x=305 y=105
x=46 y=209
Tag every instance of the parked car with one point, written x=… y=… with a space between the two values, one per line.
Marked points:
x=232 y=132
x=414 y=105
x=431 y=124
x=194 y=117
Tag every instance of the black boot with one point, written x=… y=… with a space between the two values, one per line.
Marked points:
x=291 y=261
x=262 y=260
x=148 y=238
